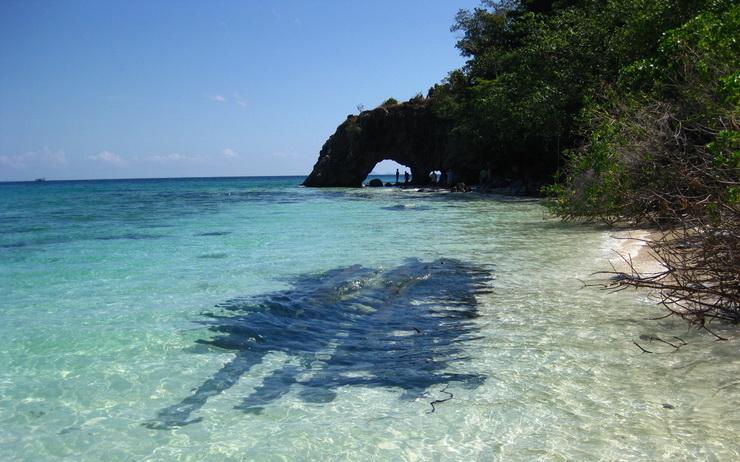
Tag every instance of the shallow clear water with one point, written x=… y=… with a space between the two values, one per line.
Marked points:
x=251 y=319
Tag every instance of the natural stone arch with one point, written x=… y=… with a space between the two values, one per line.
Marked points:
x=407 y=133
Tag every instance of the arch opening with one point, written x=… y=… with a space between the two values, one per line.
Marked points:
x=389 y=172
x=418 y=175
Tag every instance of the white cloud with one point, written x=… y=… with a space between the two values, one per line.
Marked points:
x=173 y=157
x=107 y=157
x=239 y=99
x=235 y=98
x=230 y=153
x=16 y=161
x=54 y=157
x=36 y=159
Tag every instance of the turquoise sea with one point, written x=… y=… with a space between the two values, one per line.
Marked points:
x=233 y=319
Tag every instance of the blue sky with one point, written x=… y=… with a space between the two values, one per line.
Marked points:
x=134 y=89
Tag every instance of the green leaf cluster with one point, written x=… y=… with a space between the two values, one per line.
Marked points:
x=672 y=120
x=533 y=68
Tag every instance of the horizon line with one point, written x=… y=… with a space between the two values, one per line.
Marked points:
x=44 y=180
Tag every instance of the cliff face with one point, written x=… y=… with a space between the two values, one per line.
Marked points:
x=407 y=133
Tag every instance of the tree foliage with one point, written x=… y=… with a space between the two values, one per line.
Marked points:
x=631 y=105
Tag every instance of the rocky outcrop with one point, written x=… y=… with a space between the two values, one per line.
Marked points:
x=412 y=134
x=408 y=133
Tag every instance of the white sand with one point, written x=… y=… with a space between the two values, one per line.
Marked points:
x=632 y=250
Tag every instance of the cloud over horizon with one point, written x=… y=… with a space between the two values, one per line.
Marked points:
x=35 y=159
x=172 y=157
x=107 y=157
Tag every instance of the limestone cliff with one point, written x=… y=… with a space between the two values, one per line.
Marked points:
x=408 y=133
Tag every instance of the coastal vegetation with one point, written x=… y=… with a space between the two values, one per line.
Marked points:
x=626 y=110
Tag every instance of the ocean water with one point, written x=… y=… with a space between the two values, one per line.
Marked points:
x=252 y=319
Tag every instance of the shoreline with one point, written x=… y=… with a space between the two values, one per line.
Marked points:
x=632 y=253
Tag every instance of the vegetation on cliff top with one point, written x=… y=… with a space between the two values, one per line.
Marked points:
x=629 y=109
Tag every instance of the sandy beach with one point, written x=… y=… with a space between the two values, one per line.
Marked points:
x=633 y=253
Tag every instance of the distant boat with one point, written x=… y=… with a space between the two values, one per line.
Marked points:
x=40 y=179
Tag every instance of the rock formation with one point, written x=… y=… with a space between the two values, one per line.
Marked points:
x=408 y=133
x=413 y=135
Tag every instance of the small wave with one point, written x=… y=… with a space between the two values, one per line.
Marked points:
x=405 y=207
x=131 y=236
x=213 y=233
x=215 y=255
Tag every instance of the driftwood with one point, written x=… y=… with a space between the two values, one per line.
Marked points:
x=700 y=279
x=439 y=401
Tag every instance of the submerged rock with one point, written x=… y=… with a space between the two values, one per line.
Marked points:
x=461 y=187
x=375 y=183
